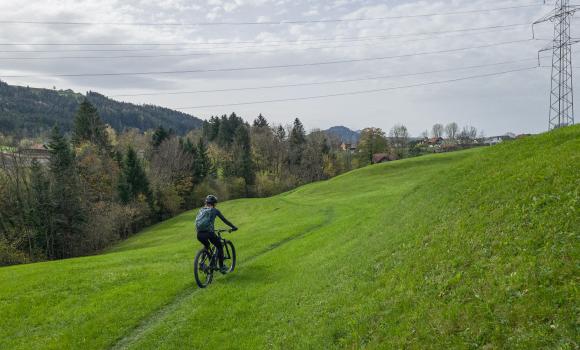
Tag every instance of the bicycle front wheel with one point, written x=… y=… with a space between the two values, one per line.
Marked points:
x=202 y=268
x=229 y=256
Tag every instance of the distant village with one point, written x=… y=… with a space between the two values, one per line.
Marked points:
x=436 y=145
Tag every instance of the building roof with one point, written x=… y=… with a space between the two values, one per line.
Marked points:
x=381 y=157
x=37 y=146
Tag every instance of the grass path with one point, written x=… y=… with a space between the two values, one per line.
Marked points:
x=188 y=294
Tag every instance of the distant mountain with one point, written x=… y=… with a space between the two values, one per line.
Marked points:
x=28 y=111
x=344 y=134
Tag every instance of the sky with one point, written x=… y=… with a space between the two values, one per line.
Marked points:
x=225 y=45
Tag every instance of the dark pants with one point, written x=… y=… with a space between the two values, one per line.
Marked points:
x=205 y=237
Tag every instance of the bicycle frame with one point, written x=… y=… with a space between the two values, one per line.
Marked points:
x=213 y=250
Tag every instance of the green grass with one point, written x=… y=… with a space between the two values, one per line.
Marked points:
x=474 y=249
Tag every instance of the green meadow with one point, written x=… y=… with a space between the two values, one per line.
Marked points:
x=464 y=250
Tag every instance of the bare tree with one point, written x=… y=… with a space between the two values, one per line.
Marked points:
x=437 y=130
x=481 y=136
x=399 y=140
x=169 y=163
x=451 y=130
x=472 y=132
x=467 y=135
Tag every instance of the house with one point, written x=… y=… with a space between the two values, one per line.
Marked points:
x=383 y=158
x=432 y=142
x=435 y=141
x=36 y=151
x=25 y=156
x=497 y=139
x=348 y=147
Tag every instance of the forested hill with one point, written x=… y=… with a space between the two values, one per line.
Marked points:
x=344 y=134
x=28 y=111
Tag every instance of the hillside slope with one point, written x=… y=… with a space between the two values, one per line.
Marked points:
x=474 y=249
x=27 y=111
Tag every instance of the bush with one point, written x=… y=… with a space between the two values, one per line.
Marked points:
x=102 y=228
x=236 y=187
x=265 y=185
x=168 y=202
x=10 y=255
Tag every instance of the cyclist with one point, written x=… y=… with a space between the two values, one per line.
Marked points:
x=204 y=224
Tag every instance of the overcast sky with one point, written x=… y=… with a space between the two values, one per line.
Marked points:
x=516 y=102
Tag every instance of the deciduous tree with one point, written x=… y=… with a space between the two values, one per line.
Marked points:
x=372 y=141
x=437 y=130
x=451 y=130
x=399 y=140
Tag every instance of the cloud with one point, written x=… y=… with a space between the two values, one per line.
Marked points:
x=521 y=98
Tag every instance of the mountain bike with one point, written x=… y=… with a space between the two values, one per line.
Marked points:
x=206 y=260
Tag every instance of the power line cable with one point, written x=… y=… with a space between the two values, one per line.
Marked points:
x=360 y=92
x=379 y=77
x=265 y=67
x=212 y=53
x=296 y=41
x=282 y=22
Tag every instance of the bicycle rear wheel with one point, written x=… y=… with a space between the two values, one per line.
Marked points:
x=202 y=268
x=229 y=256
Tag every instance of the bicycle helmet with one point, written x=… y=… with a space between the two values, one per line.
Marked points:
x=211 y=199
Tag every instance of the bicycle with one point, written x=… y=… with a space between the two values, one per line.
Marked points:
x=206 y=261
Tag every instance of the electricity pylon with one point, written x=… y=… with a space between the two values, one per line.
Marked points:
x=561 y=90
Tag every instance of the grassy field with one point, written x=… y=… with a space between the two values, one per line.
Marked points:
x=474 y=249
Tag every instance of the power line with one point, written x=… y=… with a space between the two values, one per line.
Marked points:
x=379 y=77
x=361 y=92
x=561 y=91
x=282 y=22
x=266 y=67
x=296 y=41
x=211 y=53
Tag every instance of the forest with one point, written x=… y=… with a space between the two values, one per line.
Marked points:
x=27 y=112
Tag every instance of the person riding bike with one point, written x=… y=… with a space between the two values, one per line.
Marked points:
x=204 y=224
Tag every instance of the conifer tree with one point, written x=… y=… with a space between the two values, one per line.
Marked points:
x=260 y=122
x=133 y=181
x=40 y=212
x=211 y=128
x=297 y=141
x=88 y=127
x=69 y=214
x=244 y=166
x=280 y=133
x=159 y=135
x=201 y=163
